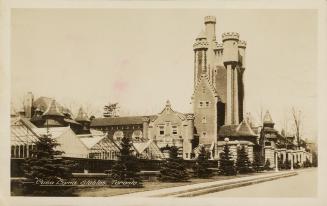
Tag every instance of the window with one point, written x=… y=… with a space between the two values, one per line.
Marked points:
x=186 y=155
x=204 y=134
x=204 y=104
x=161 y=130
x=204 y=119
x=137 y=135
x=174 y=130
x=118 y=135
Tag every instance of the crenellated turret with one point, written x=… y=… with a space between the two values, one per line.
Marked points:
x=241 y=50
x=230 y=59
x=210 y=25
x=222 y=64
x=230 y=44
x=200 y=48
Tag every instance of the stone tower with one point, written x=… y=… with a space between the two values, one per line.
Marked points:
x=218 y=81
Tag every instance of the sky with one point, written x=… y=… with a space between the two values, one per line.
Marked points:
x=143 y=57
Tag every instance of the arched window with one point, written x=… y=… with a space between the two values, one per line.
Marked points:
x=118 y=135
x=137 y=135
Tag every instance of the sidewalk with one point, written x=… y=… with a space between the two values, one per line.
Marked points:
x=208 y=187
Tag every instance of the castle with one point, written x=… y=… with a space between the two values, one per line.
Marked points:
x=217 y=119
x=218 y=83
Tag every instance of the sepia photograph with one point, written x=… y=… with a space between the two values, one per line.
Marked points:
x=164 y=102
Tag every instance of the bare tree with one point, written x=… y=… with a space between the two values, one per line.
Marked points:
x=111 y=110
x=297 y=124
x=259 y=115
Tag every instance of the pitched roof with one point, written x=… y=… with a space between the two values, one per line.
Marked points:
x=22 y=133
x=243 y=129
x=141 y=146
x=168 y=108
x=53 y=110
x=82 y=116
x=89 y=140
x=113 y=121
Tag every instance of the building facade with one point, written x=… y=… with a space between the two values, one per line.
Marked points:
x=218 y=84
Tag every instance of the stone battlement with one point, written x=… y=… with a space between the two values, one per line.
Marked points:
x=230 y=36
x=202 y=44
x=241 y=44
x=220 y=46
x=209 y=19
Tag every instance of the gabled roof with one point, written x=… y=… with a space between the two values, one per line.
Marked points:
x=168 y=108
x=141 y=146
x=89 y=140
x=22 y=132
x=204 y=77
x=113 y=121
x=53 y=110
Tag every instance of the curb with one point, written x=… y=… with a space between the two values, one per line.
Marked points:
x=220 y=187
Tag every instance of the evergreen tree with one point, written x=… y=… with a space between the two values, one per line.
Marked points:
x=126 y=169
x=46 y=163
x=242 y=162
x=226 y=163
x=257 y=162
x=173 y=169
x=267 y=165
x=201 y=167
